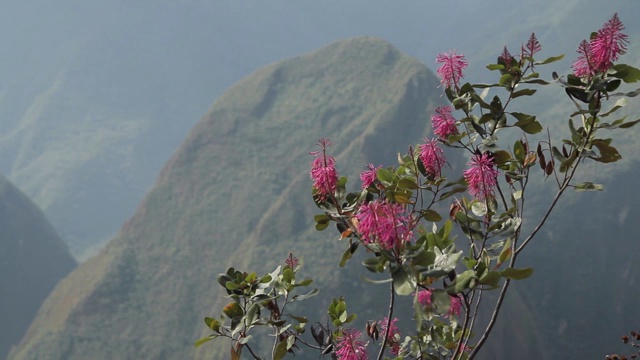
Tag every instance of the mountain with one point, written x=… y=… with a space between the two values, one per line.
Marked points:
x=96 y=96
x=33 y=258
x=237 y=193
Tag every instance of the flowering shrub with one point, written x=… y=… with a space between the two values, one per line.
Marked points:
x=412 y=243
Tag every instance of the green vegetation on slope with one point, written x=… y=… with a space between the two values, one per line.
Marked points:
x=236 y=193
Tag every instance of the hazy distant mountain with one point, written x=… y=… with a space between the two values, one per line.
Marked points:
x=236 y=192
x=96 y=96
x=33 y=259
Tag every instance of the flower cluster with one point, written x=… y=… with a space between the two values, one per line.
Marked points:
x=432 y=158
x=369 y=176
x=456 y=305
x=292 y=261
x=532 y=47
x=482 y=176
x=349 y=347
x=384 y=223
x=424 y=297
x=450 y=72
x=444 y=124
x=604 y=48
x=323 y=171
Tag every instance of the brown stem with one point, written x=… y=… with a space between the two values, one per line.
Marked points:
x=389 y=315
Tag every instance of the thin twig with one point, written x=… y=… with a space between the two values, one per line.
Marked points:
x=389 y=315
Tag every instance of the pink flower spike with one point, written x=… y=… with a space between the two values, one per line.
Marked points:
x=323 y=171
x=582 y=66
x=608 y=44
x=456 y=306
x=386 y=224
x=349 y=347
x=424 y=297
x=450 y=72
x=444 y=124
x=432 y=158
x=482 y=176
x=369 y=176
x=532 y=47
x=604 y=48
x=392 y=339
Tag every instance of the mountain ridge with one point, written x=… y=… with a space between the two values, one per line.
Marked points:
x=205 y=203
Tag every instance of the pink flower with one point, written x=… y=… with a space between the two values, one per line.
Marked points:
x=583 y=65
x=392 y=339
x=444 y=124
x=532 y=47
x=456 y=305
x=384 y=223
x=481 y=176
x=292 y=261
x=505 y=56
x=608 y=44
x=424 y=297
x=450 y=72
x=604 y=48
x=349 y=347
x=369 y=176
x=432 y=157
x=323 y=171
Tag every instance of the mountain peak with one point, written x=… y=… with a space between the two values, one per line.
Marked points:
x=236 y=193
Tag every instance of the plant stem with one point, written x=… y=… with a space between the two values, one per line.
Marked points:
x=389 y=315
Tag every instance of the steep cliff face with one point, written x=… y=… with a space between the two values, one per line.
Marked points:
x=33 y=259
x=236 y=193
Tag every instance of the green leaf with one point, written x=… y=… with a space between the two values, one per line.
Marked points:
x=404 y=281
x=322 y=221
x=431 y=215
x=523 y=92
x=626 y=73
x=443 y=263
x=588 y=186
x=493 y=67
x=383 y=281
x=230 y=285
x=281 y=350
x=518 y=151
x=505 y=79
x=527 y=123
x=441 y=301
x=491 y=278
x=374 y=264
x=347 y=254
x=424 y=259
x=305 y=282
x=629 y=124
x=303 y=297
x=288 y=275
x=506 y=252
x=406 y=183
x=212 y=324
x=517 y=274
x=461 y=283
x=608 y=154
x=549 y=60
x=501 y=157
x=478 y=208
x=384 y=175
x=452 y=192
x=204 y=340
